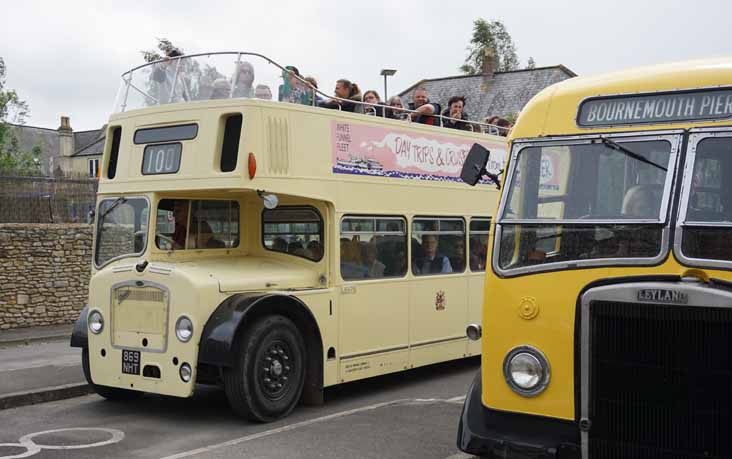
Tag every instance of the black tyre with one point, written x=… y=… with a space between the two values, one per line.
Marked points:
x=269 y=371
x=110 y=393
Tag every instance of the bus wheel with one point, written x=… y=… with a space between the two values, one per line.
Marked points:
x=269 y=371
x=110 y=393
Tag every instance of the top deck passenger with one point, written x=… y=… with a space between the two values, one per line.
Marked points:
x=424 y=108
x=243 y=80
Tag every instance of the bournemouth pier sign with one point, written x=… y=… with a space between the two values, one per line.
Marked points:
x=697 y=105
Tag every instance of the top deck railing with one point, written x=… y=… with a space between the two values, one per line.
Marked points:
x=239 y=74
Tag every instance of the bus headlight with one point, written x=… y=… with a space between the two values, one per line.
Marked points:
x=184 y=329
x=96 y=322
x=526 y=371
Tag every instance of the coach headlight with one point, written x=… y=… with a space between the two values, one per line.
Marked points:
x=526 y=371
x=184 y=329
x=96 y=322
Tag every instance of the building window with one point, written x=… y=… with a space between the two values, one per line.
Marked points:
x=93 y=168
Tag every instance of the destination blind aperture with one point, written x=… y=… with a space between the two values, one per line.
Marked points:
x=700 y=105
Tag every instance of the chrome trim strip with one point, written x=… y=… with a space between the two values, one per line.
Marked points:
x=380 y=351
x=700 y=295
x=400 y=348
x=123 y=268
x=136 y=283
x=694 y=140
x=673 y=137
x=439 y=341
x=96 y=231
x=166 y=270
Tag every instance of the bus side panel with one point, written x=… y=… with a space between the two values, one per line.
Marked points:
x=374 y=328
x=476 y=284
x=438 y=310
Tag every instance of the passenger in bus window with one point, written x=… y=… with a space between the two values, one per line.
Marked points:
x=292 y=89
x=395 y=110
x=375 y=267
x=455 y=109
x=431 y=262
x=221 y=89
x=372 y=97
x=279 y=245
x=477 y=254
x=458 y=260
x=642 y=201
x=180 y=215
x=351 y=266
x=164 y=75
x=344 y=89
x=244 y=80
x=314 y=250
x=314 y=83
x=424 y=108
x=263 y=92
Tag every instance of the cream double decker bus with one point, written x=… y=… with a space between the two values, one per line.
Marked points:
x=608 y=325
x=274 y=248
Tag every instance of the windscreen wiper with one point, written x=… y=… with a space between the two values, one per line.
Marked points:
x=617 y=147
x=112 y=206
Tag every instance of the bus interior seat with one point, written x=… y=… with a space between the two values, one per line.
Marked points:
x=642 y=201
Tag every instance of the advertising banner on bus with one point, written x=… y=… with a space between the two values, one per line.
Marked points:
x=377 y=151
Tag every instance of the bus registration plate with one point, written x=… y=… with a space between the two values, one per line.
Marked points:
x=130 y=362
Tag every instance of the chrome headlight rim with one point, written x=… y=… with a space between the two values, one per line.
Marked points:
x=91 y=320
x=543 y=362
x=184 y=334
x=185 y=372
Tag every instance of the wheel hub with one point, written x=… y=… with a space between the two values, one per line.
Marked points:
x=275 y=370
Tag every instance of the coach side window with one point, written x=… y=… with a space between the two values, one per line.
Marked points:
x=294 y=230
x=438 y=246
x=373 y=247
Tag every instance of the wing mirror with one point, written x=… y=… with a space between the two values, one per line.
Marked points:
x=474 y=166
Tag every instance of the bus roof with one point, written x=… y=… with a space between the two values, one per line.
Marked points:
x=555 y=110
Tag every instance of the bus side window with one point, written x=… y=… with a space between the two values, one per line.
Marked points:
x=442 y=246
x=479 y=228
x=373 y=247
x=295 y=230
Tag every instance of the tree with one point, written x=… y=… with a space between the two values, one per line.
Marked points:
x=490 y=35
x=13 y=161
x=165 y=46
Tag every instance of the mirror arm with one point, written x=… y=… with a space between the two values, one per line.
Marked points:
x=494 y=177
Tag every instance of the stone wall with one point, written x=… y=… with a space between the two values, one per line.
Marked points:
x=44 y=273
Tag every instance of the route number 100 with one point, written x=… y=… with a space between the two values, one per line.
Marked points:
x=161 y=159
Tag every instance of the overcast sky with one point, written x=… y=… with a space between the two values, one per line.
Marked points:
x=65 y=58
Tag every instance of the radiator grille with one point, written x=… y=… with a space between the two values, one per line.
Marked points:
x=660 y=381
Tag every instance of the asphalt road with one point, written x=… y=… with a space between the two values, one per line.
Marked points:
x=412 y=414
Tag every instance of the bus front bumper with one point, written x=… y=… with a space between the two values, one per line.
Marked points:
x=492 y=433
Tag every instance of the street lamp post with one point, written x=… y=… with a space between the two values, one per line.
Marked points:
x=387 y=73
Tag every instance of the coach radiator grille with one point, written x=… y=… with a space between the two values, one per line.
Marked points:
x=139 y=317
x=660 y=379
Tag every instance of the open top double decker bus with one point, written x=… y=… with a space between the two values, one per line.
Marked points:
x=608 y=328
x=274 y=248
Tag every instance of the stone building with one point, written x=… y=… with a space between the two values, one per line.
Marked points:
x=491 y=93
x=65 y=152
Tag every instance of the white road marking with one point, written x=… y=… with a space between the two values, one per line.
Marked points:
x=32 y=448
x=461 y=456
x=460 y=399
x=267 y=433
